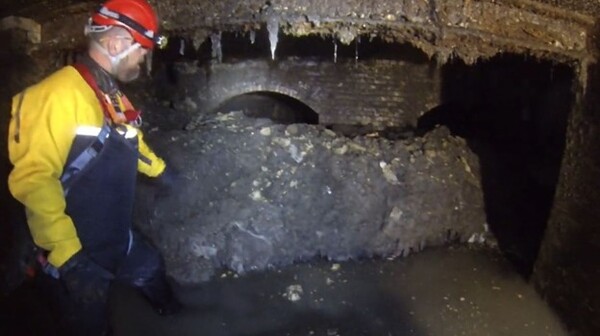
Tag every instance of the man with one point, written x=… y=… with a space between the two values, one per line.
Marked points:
x=76 y=152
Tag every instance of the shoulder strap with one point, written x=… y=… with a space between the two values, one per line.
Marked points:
x=75 y=166
x=130 y=115
x=89 y=79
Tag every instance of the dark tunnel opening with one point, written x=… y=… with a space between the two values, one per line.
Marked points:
x=279 y=108
x=513 y=112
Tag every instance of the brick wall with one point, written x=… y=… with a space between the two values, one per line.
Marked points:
x=380 y=93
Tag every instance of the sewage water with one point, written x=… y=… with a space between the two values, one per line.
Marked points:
x=456 y=290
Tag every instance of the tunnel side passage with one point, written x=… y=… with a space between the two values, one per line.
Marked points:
x=278 y=107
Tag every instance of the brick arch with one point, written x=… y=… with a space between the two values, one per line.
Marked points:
x=375 y=93
x=280 y=105
x=272 y=89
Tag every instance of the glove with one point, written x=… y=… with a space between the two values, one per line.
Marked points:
x=85 y=280
x=168 y=181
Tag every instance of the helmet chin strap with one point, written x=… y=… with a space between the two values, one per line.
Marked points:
x=116 y=59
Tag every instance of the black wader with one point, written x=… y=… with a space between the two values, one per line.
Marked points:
x=100 y=201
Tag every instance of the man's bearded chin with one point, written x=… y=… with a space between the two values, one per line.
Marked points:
x=129 y=73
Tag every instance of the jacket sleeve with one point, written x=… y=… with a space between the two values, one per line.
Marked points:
x=149 y=163
x=41 y=131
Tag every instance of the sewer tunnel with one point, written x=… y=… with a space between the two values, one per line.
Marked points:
x=512 y=109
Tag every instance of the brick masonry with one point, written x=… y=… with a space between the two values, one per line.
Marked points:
x=380 y=93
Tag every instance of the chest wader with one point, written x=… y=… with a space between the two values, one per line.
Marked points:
x=99 y=184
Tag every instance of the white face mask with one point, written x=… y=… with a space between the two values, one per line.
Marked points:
x=116 y=59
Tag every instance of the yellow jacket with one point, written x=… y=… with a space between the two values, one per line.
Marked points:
x=42 y=128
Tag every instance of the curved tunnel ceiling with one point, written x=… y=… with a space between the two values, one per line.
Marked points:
x=465 y=29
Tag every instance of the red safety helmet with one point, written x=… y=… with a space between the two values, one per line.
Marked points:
x=137 y=16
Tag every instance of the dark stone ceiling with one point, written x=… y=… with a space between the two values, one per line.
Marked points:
x=589 y=7
x=465 y=29
x=7 y=7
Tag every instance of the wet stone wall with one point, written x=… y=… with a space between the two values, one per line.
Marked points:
x=567 y=271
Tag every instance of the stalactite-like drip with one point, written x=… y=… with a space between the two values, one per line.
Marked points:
x=356 y=43
x=252 y=37
x=335 y=47
x=182 y=47
x=273 y=29
x=217 y=50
